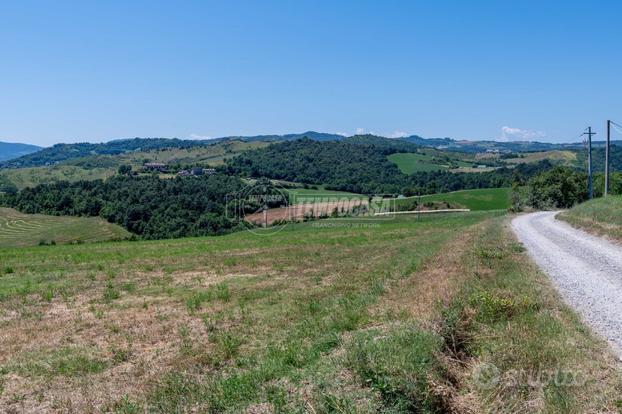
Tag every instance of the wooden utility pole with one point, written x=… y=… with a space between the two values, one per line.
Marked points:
x=607 y=157
x=590 y=185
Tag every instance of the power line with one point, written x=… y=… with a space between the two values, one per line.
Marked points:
x=589 y=134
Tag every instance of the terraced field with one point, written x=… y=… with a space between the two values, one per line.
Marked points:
x=18 y=229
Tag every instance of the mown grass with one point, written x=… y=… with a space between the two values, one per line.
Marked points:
x=18 y=229
x=601 y=216
x=242 y=319
x=477 y=199
x=366 y=317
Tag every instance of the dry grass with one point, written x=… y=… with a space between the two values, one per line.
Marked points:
x=311 y=320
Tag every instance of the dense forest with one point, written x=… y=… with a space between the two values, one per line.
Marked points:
x=359 y=168
x=151 y=207
x=598 y=158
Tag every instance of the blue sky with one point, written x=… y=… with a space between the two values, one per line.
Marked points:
x=95 y=71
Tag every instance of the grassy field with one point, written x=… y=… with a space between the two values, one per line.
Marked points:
x=478 y=199
x=601 y=216
x=567 y=157
x=211 y=155
x=409 y=163
x=17 y=229
x=31 y=177
x=306 y=195
x=401 y=316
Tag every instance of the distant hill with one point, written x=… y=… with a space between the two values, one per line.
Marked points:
x=63 y=152
x=10 y=150
x=316 y=136
x=488 y=145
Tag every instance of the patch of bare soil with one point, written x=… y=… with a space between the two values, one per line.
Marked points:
x=298 y=212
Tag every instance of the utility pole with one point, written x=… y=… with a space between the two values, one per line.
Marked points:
x=589 y=134
x=607 y=157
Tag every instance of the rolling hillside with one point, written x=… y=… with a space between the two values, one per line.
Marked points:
x=17 y=229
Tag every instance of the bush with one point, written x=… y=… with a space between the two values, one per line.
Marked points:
x=560 y=187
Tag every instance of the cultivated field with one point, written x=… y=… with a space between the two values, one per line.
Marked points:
x=17 y=229
x=409 y=163
x=402 y=316
x=566 y=157
x=477 y=199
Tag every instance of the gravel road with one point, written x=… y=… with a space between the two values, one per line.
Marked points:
x=587 y=270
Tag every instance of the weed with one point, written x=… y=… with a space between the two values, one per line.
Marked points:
x=110 y=292
x=66 y=361
x=48 y=294
x=126 y=406
x=120 y=355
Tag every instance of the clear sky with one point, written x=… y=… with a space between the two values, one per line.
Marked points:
x=95 y=71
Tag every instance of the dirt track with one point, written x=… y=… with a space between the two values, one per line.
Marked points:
x=587 y=270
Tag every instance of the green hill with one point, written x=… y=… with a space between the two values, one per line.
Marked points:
x=18 y=229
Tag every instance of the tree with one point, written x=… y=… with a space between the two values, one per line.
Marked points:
x=125 y=169
x=560 y=187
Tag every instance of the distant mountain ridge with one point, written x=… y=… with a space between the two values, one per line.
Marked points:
x=10 y=150
x=35 y=156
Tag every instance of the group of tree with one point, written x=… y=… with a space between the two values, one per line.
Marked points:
x=148 y=206
x=563 y=187
x=347 y=166
x=361 y=166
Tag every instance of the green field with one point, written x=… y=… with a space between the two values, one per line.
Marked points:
x=409 y=163
x=477 y=199
x=31 y=177
x=17 y=229
x=601 y=216
x=361 y=318
x=297 y=195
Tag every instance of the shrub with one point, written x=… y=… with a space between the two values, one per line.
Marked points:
x=560 y=187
